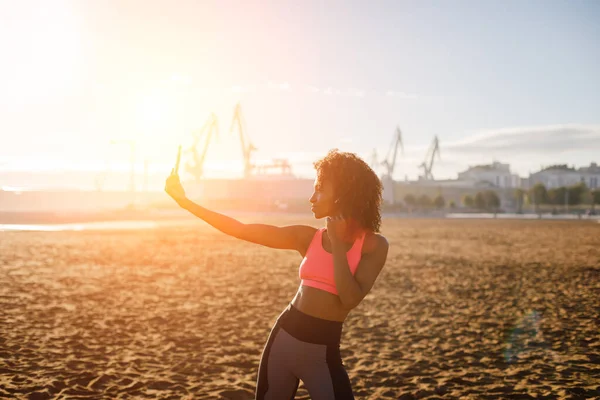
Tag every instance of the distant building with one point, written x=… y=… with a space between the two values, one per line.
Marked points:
x=496 y=175
x=556 y=176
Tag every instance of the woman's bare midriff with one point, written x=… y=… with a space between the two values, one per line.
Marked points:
x=319 y=303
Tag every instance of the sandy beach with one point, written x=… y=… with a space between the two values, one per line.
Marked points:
x=463 y=309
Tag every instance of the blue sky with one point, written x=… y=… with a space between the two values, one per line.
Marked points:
x=510 y=81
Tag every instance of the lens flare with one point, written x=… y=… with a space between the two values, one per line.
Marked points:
x=524 y=331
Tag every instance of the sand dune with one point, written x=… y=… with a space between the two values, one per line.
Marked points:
x=463 y=309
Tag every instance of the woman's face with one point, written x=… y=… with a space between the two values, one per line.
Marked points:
x=322 y=200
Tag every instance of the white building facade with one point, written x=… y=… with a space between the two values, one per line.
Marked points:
x=561 y=175
x=497 y=174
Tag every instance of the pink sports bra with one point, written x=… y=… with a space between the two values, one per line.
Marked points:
x=316 y=269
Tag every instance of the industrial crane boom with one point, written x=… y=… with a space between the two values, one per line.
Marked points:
x=197 y=168
x=390 y=163
x=247 y=148
x=213 y=127
x=427 y=165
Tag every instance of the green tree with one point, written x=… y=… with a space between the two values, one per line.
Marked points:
x=557 y=196
x=479 y=201
x=595 y=197
x=519 y=196
x=538 y=194
x=452 y=204
x=487 y=200
x=577 y=193
x=439 y=202
x=468 y=201
x=492 y=201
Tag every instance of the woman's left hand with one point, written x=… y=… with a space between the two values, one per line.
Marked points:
x=336 y=226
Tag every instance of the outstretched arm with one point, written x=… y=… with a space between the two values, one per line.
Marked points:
x=292 y=237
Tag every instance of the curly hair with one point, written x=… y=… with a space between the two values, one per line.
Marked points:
x=355 y=184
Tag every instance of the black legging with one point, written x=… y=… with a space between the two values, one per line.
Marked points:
x=304 y=347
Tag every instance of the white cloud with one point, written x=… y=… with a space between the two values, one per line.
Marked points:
x=555 y=139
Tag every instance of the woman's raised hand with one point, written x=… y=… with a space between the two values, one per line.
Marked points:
x=173 y=185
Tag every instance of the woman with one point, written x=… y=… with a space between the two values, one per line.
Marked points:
x=340 y=264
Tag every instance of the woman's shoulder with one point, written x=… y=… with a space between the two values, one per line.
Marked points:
x=306 y=234
x=374 y=242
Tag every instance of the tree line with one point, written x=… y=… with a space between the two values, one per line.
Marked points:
x=538 y=195
x=487 y=200
x=574 y=195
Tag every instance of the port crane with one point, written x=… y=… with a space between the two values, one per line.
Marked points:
x=195 y=166
x=390 y=159
x=427 y=165
x=247 y=146
x=390 y=163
